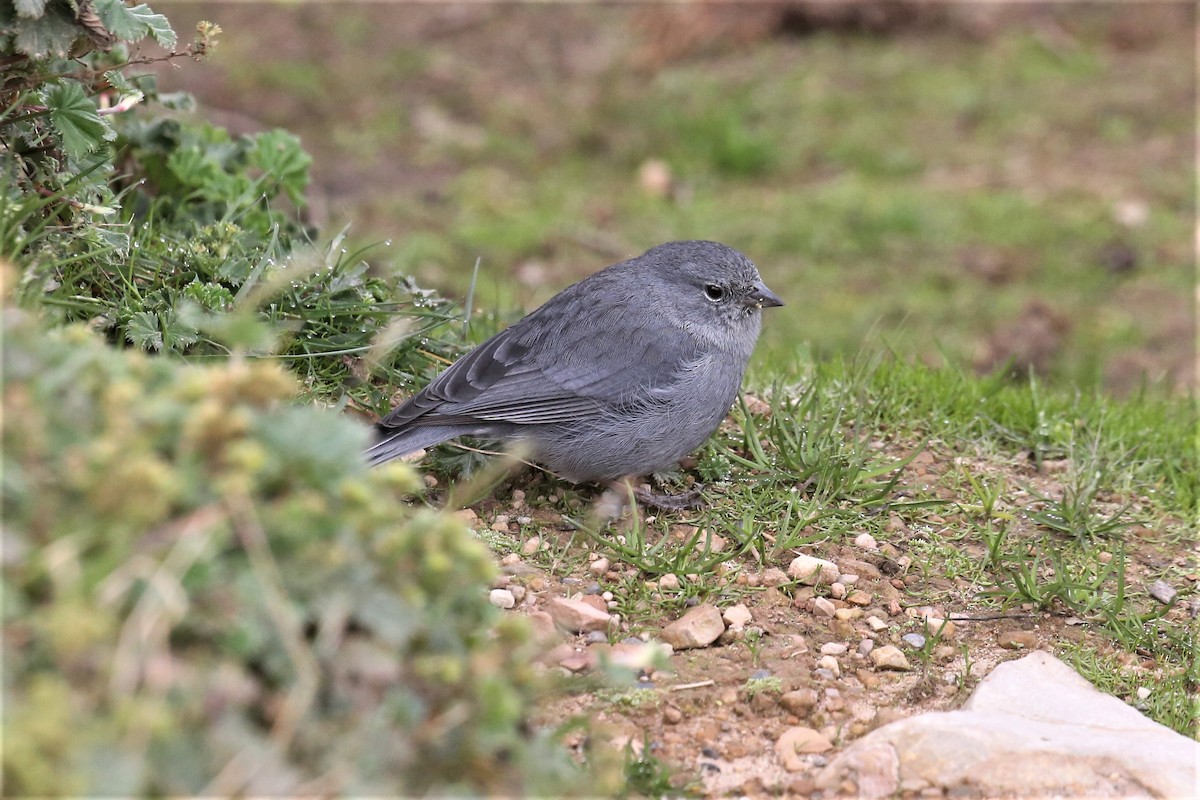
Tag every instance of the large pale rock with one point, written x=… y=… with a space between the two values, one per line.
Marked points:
x=699 y=627
x=1033 y=728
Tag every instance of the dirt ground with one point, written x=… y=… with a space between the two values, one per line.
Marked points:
x=715 y=714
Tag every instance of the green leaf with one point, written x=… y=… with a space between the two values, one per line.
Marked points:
x=31 y=9
x=133 y=24
x=118 y=81
x=50 y=35
x=177 y=333
x=279 y=154
x=143 y=331
x=74 y=117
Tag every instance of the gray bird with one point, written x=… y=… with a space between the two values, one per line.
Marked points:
x=621 y=374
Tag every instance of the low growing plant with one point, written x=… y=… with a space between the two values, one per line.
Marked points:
x=207 y=592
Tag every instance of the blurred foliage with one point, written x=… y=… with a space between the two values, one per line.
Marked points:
x=206 y=591
x=170 y=234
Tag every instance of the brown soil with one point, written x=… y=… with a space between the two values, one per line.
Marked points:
x=718 y=736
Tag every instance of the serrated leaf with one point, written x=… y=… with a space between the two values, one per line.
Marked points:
x=279 y=154
x=177 y=333
x=30 y=9
x=50 y=35
x=74 y=117
x=134 y=24
x=143 y=331
x=119 y=82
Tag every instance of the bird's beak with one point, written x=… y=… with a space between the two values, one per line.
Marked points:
x=762 y=297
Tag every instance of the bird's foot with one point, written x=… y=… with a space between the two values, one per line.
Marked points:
x=689 y=500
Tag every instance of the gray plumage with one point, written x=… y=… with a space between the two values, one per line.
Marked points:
x=623 y=373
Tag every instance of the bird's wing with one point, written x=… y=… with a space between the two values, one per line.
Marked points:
x=544 y=373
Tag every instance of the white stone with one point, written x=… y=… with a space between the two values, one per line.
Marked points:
x=889 y=657
x=699 y=627
x=1033 y=728
x=830 y=663
x=865 y=541
x=502 y=598
x=737 y=617
x=811 y=570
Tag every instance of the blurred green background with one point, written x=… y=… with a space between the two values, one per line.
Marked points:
x=980 y=182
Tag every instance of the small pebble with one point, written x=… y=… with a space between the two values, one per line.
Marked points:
x=510 y=559
x=668 y=582
x=830 y=663
x=596 y=637
x=518 y=497
x=865 y=647
x=865 y=541
x=849 y=579
x=593 y=588
x=599 y=566
x=737 y=617
x=837 y=590
x=1143 y=692
x=914 y=640
x=760 y=674
x=859 y=598
x=876 y=624
x=1018 y=640
x=1162 y=591
x=774 y=576
x=518 y=592
x=939 y=627
x=889 y=657
x=834 y=648
x=502 y=598
x=823 y=606
x=606 y=595
x=531 y=544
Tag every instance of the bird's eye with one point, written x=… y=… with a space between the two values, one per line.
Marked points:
x=714 y=293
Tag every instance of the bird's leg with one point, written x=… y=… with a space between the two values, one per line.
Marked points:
x=611 y=504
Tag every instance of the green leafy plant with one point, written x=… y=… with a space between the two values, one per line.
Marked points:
x=66 y=78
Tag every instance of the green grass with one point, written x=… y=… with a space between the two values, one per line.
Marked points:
x=832 y=454
x=869 y=176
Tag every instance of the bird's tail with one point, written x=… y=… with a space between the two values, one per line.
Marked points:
x=392 y=444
